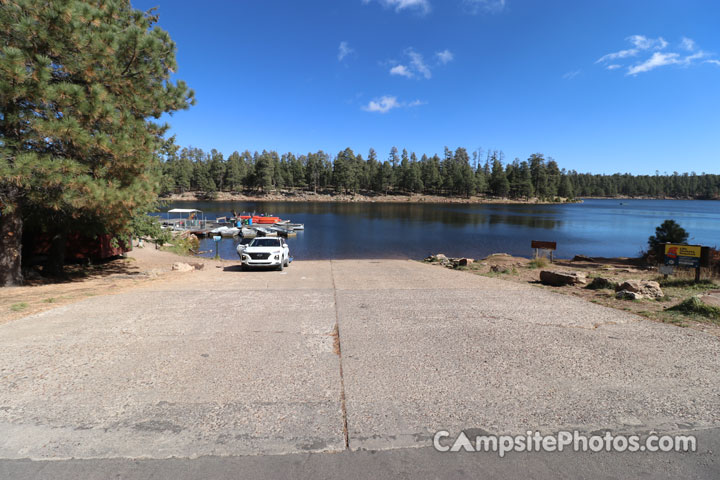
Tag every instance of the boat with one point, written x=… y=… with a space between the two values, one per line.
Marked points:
x=230 y=232
x=248 y=232
x=280 y=230
x=261 y=219
x=295 y=226
x=243 y=245
x=265 y=232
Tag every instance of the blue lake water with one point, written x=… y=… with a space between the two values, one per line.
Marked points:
x=603 y=228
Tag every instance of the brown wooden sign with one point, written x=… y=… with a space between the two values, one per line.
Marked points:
x=543 y=245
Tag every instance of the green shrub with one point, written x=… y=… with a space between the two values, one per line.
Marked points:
x=668 y=232
x=184 y=245
x=599 y=283
x=695 y=306
x=147 y=226
x=538 y=263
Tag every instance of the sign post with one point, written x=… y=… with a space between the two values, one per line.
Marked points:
x=690 y=256
x=217 y=239
x=539 y=245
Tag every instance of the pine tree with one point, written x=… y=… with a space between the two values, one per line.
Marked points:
x=539 y=175
x=216 y=169
x=264 y=171
x=313 y=168
x=79 y=83
x=668 y=232
x=565 y=189
x=234 y=172
x=431 y=173
x=499 y=185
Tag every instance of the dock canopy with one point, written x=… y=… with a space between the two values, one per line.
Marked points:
x=184 y=210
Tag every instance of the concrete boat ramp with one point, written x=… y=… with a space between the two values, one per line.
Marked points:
x=270 y=372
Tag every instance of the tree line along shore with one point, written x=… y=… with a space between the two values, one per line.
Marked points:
x=191 y=173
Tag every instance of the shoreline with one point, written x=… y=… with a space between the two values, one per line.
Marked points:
x=353 y=198
x=310 y=197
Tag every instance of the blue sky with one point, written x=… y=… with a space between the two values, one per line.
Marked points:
x=629 y=86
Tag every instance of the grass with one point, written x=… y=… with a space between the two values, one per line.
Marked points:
x=505 y=271
x=674 y=318
x=538 y=263
x=693 y=306
x=50 y=300
x=18 y=307
x=686 y=283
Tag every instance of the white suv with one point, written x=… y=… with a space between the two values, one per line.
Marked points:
x=266 y=252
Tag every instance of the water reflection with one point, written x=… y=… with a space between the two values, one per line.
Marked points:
x=404 y=230
x=532 y=216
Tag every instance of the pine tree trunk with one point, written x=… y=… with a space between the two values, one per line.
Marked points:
x=11 y=227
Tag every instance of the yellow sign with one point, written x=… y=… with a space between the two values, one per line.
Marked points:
x=683 y=251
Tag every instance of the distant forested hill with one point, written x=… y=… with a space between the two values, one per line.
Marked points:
x=456 y=173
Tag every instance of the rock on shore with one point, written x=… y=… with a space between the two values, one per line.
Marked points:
x=559 y=279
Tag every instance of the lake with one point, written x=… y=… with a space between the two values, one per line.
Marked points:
x=602 y=228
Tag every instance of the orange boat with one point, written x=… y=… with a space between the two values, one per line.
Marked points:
x=259 y=219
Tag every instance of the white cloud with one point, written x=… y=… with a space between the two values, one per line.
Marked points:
x=714 y=62
x=687 y=44
x=661 y=59
x=658 y=59
x=418 y=63
x=382 y=105
x=386 y=103
x=422 y=6
x=343 y=51
x=489 y=6
x=571 y=75
x=660 y=56
x=415 y=65
x=401 y=70
x=640 y=43
x=643 y=43
x=446 y=56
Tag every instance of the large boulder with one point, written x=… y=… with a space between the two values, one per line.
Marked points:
x=182 y=267
x=559 y=279
x=645 y=288
x=438 y=258
x=628 y=295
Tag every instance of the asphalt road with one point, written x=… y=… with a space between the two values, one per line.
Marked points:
x=344 y=368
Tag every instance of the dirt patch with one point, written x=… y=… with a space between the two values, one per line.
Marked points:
x=143 y=266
